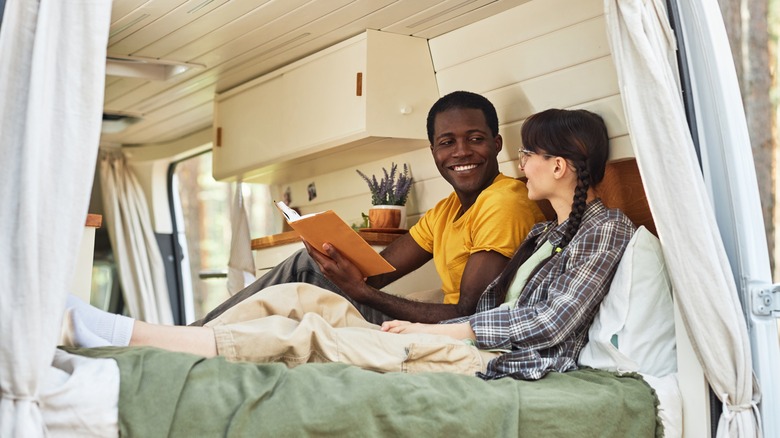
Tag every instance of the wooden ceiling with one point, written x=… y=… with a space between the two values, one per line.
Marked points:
x=233 y=41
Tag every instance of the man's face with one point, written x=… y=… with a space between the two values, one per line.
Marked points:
x=465 y=152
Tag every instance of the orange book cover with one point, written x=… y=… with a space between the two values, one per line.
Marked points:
x=327 y=226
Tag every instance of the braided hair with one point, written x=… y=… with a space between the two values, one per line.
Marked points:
x=580 y=137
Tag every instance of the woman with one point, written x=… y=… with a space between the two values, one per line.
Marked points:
x=531 y=320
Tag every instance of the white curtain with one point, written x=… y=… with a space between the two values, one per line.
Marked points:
x=136 y=253
x=52 y=56
x=241 y=264
x=643 y=48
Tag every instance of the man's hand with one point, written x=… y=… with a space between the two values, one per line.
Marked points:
x=338 y=269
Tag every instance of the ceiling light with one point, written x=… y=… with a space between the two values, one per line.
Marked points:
x=146 y=68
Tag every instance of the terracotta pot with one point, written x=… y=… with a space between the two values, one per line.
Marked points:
x=387 y=216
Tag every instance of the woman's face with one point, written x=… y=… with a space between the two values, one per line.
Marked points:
x=538 y=168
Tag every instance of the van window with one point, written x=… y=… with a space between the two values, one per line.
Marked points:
x=104 y=293
x=204 y=229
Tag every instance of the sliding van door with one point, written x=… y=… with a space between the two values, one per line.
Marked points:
x=720 y=131
x=201 y=212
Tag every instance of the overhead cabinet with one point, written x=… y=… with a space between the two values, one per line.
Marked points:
x=361 y=100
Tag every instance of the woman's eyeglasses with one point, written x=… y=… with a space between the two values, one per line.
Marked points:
x=525 y=153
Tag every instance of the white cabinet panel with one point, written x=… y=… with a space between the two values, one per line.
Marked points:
x=250 y=127
x=328 y=111
x=321 y=99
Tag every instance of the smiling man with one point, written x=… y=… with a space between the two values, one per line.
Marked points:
x=470 y=235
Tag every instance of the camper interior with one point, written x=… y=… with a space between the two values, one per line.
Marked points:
x=291 y=97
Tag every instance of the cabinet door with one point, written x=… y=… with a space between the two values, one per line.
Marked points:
x=252 y=133
x=321 y=98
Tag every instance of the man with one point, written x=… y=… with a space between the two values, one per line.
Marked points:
x=471 y=234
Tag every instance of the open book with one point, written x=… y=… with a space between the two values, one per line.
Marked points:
x=318 y=228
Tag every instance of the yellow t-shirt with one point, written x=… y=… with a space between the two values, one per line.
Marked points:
x=499 y=220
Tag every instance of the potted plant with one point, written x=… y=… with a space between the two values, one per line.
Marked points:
x=388 y=197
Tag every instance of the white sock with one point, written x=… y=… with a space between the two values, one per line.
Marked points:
x=91 y=324
x=81 y=336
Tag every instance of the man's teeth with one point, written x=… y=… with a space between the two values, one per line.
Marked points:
x=464 y=167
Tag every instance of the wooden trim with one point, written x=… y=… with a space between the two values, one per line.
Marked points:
x=379 y=238
x=621 y=188
x=94 y=220
x=292 y=237
x=275 y=240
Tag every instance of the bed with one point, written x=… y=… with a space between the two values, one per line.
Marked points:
x=175 y=394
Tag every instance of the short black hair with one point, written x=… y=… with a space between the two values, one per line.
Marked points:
x=463 y=100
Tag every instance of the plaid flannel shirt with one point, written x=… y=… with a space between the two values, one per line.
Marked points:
x=548 y=327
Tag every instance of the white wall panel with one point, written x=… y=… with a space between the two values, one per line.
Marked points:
x=590 y=81
x=548 y=53
x=333 y=188
x=538 y=55
x=510 y=28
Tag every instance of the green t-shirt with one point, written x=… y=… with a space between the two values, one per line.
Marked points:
x=521 y=276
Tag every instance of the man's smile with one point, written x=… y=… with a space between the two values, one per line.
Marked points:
x=463 y=167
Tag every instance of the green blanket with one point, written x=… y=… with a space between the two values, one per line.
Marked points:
x=180 y=395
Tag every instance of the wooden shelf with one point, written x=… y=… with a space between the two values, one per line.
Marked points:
x=292 y=237
x=94 y=220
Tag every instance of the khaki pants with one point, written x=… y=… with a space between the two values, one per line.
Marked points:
x=297 y=323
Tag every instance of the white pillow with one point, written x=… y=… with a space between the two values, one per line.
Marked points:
x=637 y=313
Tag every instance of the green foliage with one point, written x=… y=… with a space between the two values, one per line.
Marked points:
x=363 y=224
x=392 y=189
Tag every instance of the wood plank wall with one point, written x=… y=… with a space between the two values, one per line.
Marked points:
x=541 y=54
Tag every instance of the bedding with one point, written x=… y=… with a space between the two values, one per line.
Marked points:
x=639 y=297
x=175 y=394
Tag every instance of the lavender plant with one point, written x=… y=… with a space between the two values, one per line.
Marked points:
x=392 y=189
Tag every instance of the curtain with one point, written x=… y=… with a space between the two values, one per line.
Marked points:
x=137 y=255
x=52 y=56
x=643 y=48
x=241 y=264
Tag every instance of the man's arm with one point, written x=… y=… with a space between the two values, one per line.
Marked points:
x=405 y=255
x=481 y=268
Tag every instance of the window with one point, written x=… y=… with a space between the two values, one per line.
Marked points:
x=202 y=216
x=105 y=285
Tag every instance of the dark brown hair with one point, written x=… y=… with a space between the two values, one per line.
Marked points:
x=580 y=137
